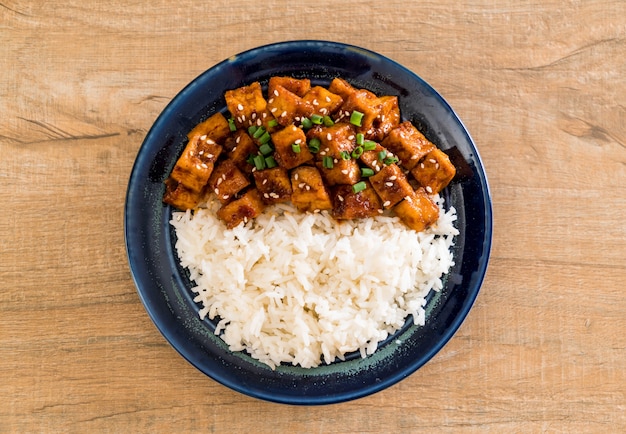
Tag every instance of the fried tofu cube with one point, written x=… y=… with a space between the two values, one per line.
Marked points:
x=342 y=171
x=367 y=103
x=284 y=154
x=434 y=172
x=341 y=87
x=286 y=106
x=309 y=192
x=298 y=86
x=333 y=140
x=244 y=209
x=239 y=147
x=372 y=158
x=350 y=205
x=227 y=180
x=324 y=101
x=215 y=128
x=408 y=144
x=194 y=167
x=179 y=196
x=274 y=184
x=391 y=185
x=245 y=104
x=387 y=119
x=417 y=211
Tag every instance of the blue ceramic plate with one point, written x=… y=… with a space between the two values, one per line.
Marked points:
x=164 y=287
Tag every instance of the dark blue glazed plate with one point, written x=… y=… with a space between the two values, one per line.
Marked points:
x=164 y=287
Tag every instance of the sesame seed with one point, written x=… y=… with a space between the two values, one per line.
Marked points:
x=264 y=115
x=204 y=166
x=315 y=102
x=323 y=153
x=329 y=136
x=327 y=99
x=239 y=119
x=295 y=177
x=340 y=198
x=297 y=119
x=245 y=220
x=191 y=153
x=239 y=107
x=428 y=189
x=258 y=122
x=414 y=157
x=224 y=177
x=386 y=203
x=283 y=114
x=307 y=187
x=198 y=167
x=209 y=156
x=203 y=137
x=264 y=181
x=351 y=137
x=298 y=141
x=335 y=161
x=437 y=166
x=408 y=199
x=302 y=185
x=389 y=184
x=234 y=149
x=323 y=111
x=219 y=181
x=201 y=152
x=274 y=195
x=393 y=178
x=432 y=160
x=238 y=139
x=217 y=191
x=253 y=115
x=422 y=165
x=273 y=109
x=382 y=118
x=275 y=92
x=243 y=118
x=266 y=196
x=316 y=210
x=380 y=211
x=344 y=171
x=271 y=100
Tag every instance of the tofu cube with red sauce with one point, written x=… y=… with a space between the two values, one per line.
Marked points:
x=179 y=196
x=391 y=185
x=243 y=209
x=350 y=205
x=324 y=102
x=287 y=107
x=341 y=87
x=408 y=144
x=227 y=180
x=239 y=146
x=309 y=192
x=284 y=152
x=195 y=165
x=294 y=85
x=246 y=104
x=273 y=184
x=215 y=128
x=387 y=119
x=417 y=211
x=434 y=172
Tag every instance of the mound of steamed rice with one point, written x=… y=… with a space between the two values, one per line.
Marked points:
x=303 y=289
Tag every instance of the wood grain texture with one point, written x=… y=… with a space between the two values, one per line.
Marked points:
x=541 y=87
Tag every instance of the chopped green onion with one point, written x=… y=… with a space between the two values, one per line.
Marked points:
x=382 y=155
x=317 y=119
x=266 y=149
x=390 y=160
x=231 y=124
x=295 y=148
x=258 y=133
x=345 y=155
x=272 y=123
x=356 y=117
x=265 y=138
x=328 y=122
x=259 y=162
x=359 y=186
x=250 y=159
x=314 y=145
x=358 y=151
x=368 y=145
x=327 y=162
x=306 y=123
x=270 y=162
x=252 y=129
x=366 y=172
x=360 y=138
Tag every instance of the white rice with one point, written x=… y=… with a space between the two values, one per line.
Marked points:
x=303 y=289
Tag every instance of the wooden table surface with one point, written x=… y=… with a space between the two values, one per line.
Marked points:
x=541 y=86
